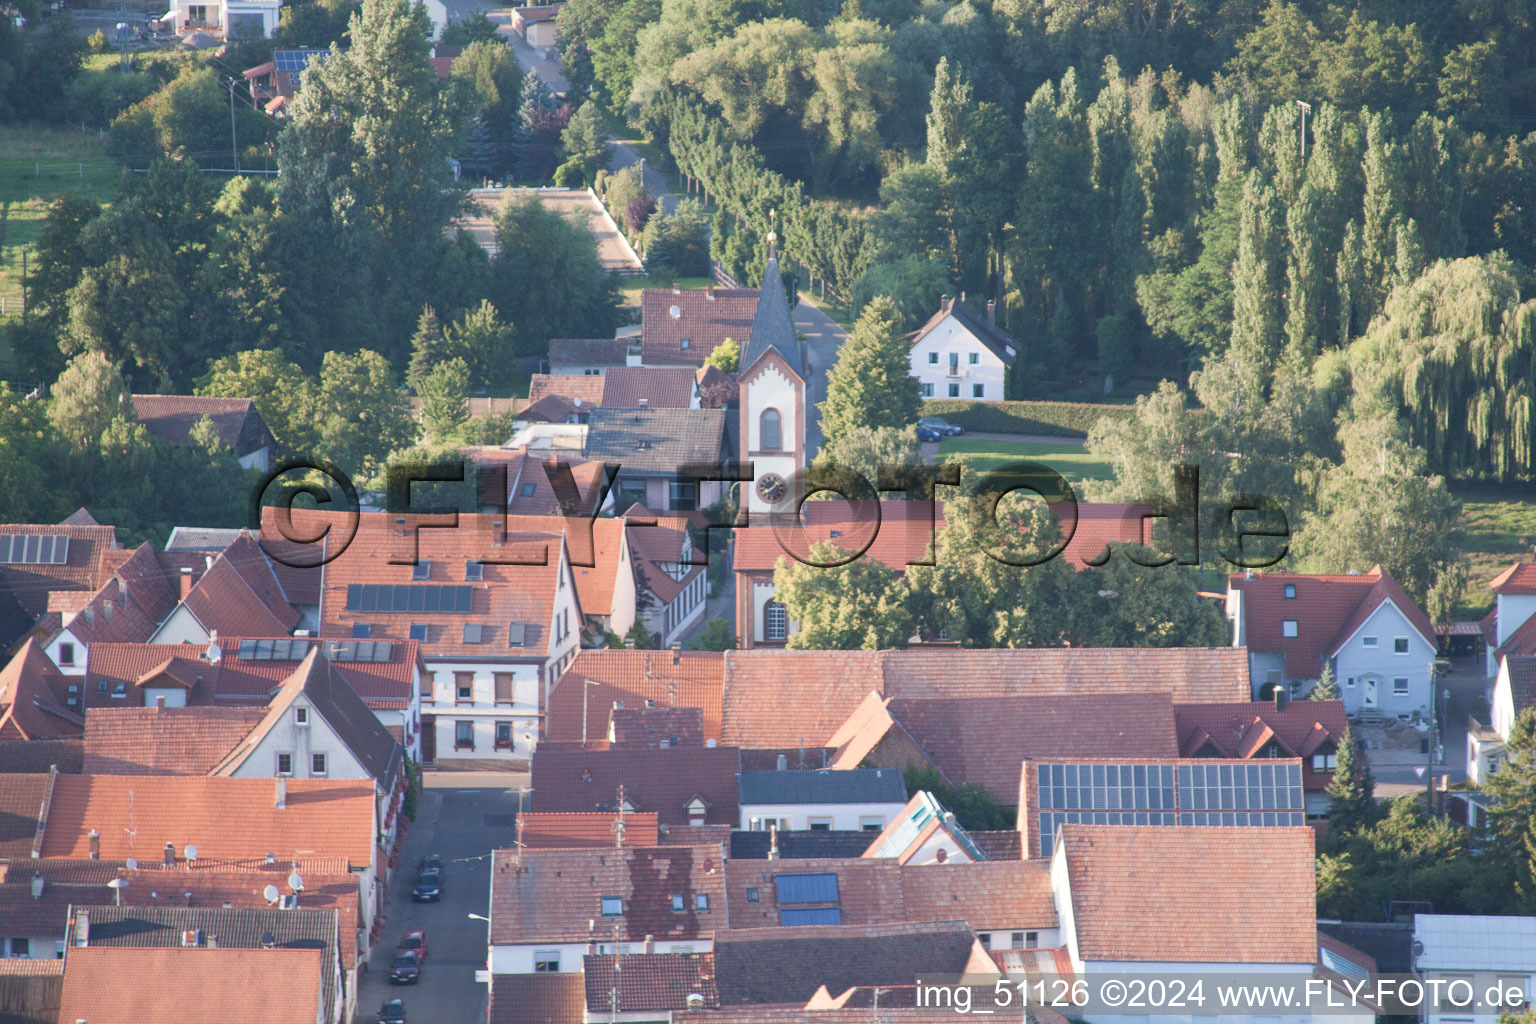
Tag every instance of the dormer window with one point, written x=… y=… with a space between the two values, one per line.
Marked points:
x=120 y=689
x=678 y=903
x=474 y=572
x=421 y=571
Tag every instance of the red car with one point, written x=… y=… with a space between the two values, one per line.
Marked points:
x=413 y=942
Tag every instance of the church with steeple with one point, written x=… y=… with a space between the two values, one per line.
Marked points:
x=772 y=381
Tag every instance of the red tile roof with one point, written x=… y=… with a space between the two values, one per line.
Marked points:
x=582 y=390
x=128 y=985
x=222 y=817
x=381 y=684
x=29 y=705
x=28 y=966
x=570 y=777
x=559 y=830
x=82 y=570
x=656 y=387
x=1519 y=578
x=163 y=741
x=22 y=798
x=1520 y=643
x=556 y=895
x=507 y=593
x=905 y=532
x=660 y=981
x=1230 y=727
x=706 y=317
x=1192 y=895
x=775 y=698
x=1522 y=682
x=170 y=418
x=240 y=595
x=1327 y=610
x=670 y=678
x=984 y=740
x=655 y=726
x=553 y=998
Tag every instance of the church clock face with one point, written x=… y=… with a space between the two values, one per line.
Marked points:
x=771 y=487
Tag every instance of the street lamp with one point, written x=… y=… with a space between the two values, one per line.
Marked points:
x=479 y=917
x=585 y=682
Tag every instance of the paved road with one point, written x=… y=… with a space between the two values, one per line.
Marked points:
x=530 y=59
x=463 y=817
x=822 y=340
x=1466 y=685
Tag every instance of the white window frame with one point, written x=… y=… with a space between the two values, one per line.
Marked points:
x=819 y=823
x=1370 y=641
x=775 y=622
x=1325 y=762
x=872 y=822
x=277 y=762
x=319 y=764
x=546 y=956
x=1407 y=646
x=1400 y=686
x=301 y=716
x=933 y=359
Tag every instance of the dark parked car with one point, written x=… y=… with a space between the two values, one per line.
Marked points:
x=939 y=426
x=392 y=1012
x=432 y=863
x=406 y=970
x=429 y=887
x=928 y=434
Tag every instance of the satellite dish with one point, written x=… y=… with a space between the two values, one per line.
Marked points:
x=296 y=881
x=674 y=312
x=132 y=864
x=117 y=883
x=190 y=852
x=271 y=893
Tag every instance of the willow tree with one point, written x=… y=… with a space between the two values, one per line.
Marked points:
x=1455 y=352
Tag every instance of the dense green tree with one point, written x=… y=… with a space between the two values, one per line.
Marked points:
x=1512 y=802
x=284 y=395
x=726 y=356
x=428 y=347
x=1352 y=791
x=361 y=414
x=541 y=257
x=873 y=452
x=678 y=242
x=365 y=151
x=585 y=141
x=871 y=384
x=1326 y=687
x=914 y=283
x=481 y=340
x=1257 y=282
x=715 y=636
x=29 y=460
x=948 y=106
x=1150 y=605
x=86 y=398
x=469 y=31
x=444 y=397
x=860 y=605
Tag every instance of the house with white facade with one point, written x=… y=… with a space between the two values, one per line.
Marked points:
x=495 y=614
x=773 y=395
x=1466 y=952
x=960 y=353
x=1514 y=693
x=1180 y=901
x=923 y=832
x=225 y=19
x=239 y=594
x=857 y=799
x=1376 y=639
x=1510 y=629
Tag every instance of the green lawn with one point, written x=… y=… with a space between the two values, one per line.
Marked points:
x=1500 y=523
x=37 y=164
x=1072 y=461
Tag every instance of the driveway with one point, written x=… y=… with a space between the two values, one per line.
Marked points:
x=462 y=817
x=530 y=59
x=1460 y=693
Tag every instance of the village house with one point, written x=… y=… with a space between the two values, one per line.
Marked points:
x=682 y=326
x=1376 y=640
x=680 y=785
x=235 y=423
x=194 y=985
x=1480 y=951
x=588 y=357
x=1514 y=693
x=239 y=594
x=960 y=353
x=653 y=449
x=45 y=568
x=854 y=799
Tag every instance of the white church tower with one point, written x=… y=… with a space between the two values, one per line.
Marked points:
x=772 y=381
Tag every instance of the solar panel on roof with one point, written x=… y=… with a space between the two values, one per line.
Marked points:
x=793 y=917
x=34 y=549
x=808 y=888
x=408 y=597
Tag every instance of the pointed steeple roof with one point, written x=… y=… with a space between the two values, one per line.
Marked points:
x=772 y=327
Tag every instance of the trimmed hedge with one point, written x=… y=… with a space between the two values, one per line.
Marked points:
x=1056 y=419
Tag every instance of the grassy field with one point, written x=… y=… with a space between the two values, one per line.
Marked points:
x=36 y=165
x=1072 y=461
x=1500 y=524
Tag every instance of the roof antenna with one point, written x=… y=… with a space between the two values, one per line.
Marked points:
x=618 y=822
x=773 y=841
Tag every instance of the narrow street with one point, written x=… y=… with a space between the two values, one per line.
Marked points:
x=462 y=817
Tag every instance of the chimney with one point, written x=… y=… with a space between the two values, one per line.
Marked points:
x=650 y=943
x=95 y=838
x=280 y=784
x=783 y=763
x=82 y=927
x=37 y=885
x=773 y=841
x=498 y=532
x=677 y=653
x=169 y=858
x=186 y=581
x=1279 y=698
x=992 y=312
x=159 y=702
x=709 y=291
x=400 y=523
x=213 y=942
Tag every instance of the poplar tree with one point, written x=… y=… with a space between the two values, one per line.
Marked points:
x=1303 y=279
x=1256 y=317
x=948 y=106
